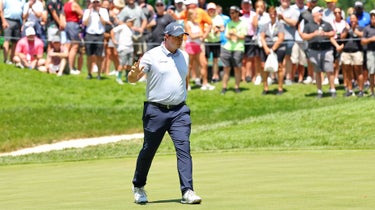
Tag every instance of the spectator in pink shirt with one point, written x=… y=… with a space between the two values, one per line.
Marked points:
x=29 y=52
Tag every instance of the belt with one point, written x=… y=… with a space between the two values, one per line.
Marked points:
x=163 y=106
x=15 y=20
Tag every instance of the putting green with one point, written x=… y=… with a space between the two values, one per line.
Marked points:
x=237 y=180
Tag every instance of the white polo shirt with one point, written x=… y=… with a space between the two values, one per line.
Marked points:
x=95 y=26
x=166 y=75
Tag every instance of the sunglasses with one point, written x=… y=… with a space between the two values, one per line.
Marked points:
x=337 y=12
x=159 y=5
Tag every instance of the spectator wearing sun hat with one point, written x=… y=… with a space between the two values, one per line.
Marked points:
x=29 y=51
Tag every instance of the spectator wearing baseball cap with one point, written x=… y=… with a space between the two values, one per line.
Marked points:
x=157 y=25
x=318 y=34
x=29 y=51
x=213 y=40
x=122 y=37
x=231 y=54
x=363 y=16
x=56 y=57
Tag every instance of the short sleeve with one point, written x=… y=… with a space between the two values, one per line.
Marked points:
x=145 y=62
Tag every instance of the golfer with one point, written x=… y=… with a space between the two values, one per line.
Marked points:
x=166 y=70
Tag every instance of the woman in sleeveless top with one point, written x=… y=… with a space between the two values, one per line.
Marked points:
x=73 y=14
x=193 y=41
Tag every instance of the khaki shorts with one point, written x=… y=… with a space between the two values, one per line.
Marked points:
x=352 y=58
x=298 y=54
x=371 y=62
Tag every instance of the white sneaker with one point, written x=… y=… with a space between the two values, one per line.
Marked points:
x=325 y=81
x=119 y=81
x=113 y=73
x=140 y=196
x=258 y=80
x=95 y=68
x=269 y=81
x=190 y=197
x=288 y=82
x=197 y=81
x=308 y=80
x=207 y=87
x=74 y=72
x=336 y=81
x=19 y=65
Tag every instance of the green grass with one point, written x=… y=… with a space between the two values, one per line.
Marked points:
x=39 y=108
x=279 y=180
x=249 y=151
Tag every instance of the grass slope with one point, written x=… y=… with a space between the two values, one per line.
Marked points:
x=39 y=108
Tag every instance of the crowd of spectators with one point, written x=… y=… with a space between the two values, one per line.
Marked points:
x=314 y=45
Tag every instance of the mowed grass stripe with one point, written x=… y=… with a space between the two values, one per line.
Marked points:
x=317 y=179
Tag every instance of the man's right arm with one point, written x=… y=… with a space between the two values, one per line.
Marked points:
x=365 y=39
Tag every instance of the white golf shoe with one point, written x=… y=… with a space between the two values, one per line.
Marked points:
x=190 y=197
x=140 y=196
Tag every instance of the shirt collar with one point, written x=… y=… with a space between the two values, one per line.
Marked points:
x=167 y=52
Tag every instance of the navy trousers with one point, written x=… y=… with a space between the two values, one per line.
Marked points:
x=156 y=122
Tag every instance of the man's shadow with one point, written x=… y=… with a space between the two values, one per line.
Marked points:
x=166 y=201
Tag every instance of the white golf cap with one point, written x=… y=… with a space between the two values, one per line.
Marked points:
x=30 y=31
x=316 y=10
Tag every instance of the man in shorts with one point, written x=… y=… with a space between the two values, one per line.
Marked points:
x=11 y=18
x=318 y=34
x=368 y=39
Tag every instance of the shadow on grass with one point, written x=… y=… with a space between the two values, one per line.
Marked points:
x=166 y=201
